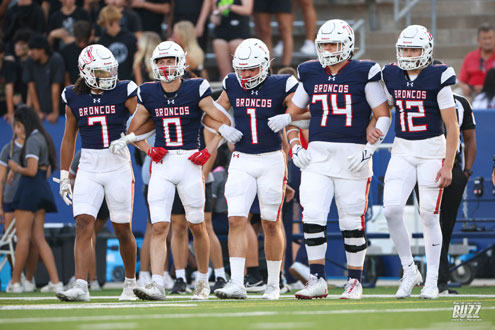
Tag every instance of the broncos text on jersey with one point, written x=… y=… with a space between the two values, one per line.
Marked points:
x=101 y=118
x=417 y=115
x=253 y=107
x=177 y=118
x=339 y=109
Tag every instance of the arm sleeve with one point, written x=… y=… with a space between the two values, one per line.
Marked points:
x=300 y=98
x=445 y=98
x=374 y=94
x=33 y=148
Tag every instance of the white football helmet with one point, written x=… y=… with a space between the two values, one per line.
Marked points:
x=251 y=53
x=414 y=36
x=98 y=67
x=172 y=72
x=339 y=32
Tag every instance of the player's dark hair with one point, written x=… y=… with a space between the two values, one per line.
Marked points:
x=22 y=35
x=489 y=84
x=80 y=86
x=31 y=121
x=485 y=27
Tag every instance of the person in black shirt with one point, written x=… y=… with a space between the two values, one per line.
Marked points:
x=194 y=11
x=152 y=13
x=61 y=23
x=7 y=79
x=25 y=14
x=83 y=33
x=130 y=19
x=21 y=52
x=121 y=42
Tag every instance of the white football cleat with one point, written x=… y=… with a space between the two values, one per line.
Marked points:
x=152 y=291
x=429 y=291
x=408 y=282
x=272 y=292
x=352 y=289
x=75 y=293
x=201 y=291
x=29 y=286
x=95 y=286
x=14 y=288
x=128 y=291
x=50 y=287
x=315 y=288
x=231 y=291
x=168 y=281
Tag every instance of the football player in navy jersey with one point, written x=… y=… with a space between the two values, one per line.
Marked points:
x=423 y=101
x=176 y=106
x=98 y=106
x=258 y=165
x=342 y=94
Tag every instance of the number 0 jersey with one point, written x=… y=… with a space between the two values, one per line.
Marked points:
x=253 y=107
x=101 y=118
x=339 y=109
x=177 y=118
x=417 y=115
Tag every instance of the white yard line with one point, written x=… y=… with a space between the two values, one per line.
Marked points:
x=90 y=306
x=174 y=297
x=220 y=315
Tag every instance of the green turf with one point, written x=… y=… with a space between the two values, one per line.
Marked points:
x=287 y=313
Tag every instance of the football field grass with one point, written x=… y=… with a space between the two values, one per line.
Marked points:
x=377 y=310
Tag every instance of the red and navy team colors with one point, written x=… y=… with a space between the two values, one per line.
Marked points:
x=253 y=107
x=101 y=118
x=417 y=114
x=339 y=109
x=177 y=117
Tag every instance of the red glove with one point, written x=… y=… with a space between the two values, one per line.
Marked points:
x=200 y=157
x=157 y=153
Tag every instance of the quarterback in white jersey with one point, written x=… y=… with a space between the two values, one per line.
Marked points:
x=342 y=94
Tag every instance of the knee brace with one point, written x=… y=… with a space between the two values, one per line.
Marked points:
x=354 y=240
x=315 y=238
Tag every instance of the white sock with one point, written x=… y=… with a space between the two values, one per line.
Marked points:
x=273 y=268
x=433 y=244
x=237 y=270
x=220 y=272
x=127 y=280
x=83 y=284
x=144 y=274
x=399 y=234
x=166 y=274
x=202 y=277
x=180 y=273
x=158 y=279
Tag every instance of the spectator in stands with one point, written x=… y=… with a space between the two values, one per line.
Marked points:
x=309 y=16
x=44 y=74
x=486 y=99
x=184 y=35
x=142 y=66
x=51 y=6
x=130 y=19
x=24 y=14
x=194 y=11
x=61 y=23
x=231 y=28
x=9 y=181
x=478 y=62
x=83 y=34
x=7 y=80
x=21 y=52
x=33 y=197
x=121 y=42
x=263 y=10
x=152 y=13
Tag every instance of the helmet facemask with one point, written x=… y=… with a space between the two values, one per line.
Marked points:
x=412 y=63
x=168 y=73
x=252 y=82
x=98 y=67
x=327 y=58
x=418 y=37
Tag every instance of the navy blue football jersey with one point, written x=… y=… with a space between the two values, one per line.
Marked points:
x=339 y=109
x=417 y=114
x=101 y=118
x=178 y=118
x=253 y=107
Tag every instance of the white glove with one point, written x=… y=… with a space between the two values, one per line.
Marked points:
x=300 y=156
x=118 y=146
x=359 y=160
x=278 y=122
x=65 y=190
x=230 y=133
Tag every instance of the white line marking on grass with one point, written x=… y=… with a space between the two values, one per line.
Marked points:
x=107 y=326
x=89 y=306
x=219 y=315
x=254 y=297
x=282 y=325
